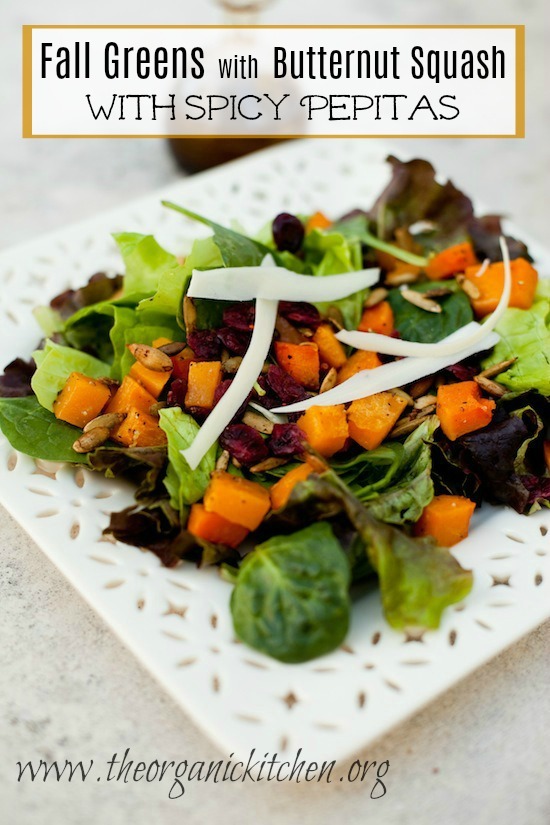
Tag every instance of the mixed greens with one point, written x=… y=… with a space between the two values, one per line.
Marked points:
x=319 y=475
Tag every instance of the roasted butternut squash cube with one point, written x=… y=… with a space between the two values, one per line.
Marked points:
x=359 y=361
x=215 y=528
x=378 y=318
x=446 y=519
x=490 y=284
x=130 y=394
x=202 y=381
x=237 y=499
x=301 y=361
x=371 y=419
x=81 y=399
x=325 y=428
x=461 y=409
x=139 y=429
x=153 y=380
x=282 y=489
x=450 y=261
x=331 y=350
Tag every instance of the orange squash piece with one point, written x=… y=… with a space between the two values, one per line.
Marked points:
x=371 y=419
x=202 y=382
x=215 y=528
x=360 y=360
x=454 y=259
x=237 y=499
x=81 y=399
x=282 y=489
x=378 y=319
x=461 y=409
x=161 y=342
x=130 y=394
x=153 y=380
x=325 y=428
x=491 y=283
x=446 y=519
x=139 y=429
x=301 y=361
x=331 y=351
x=318 y=221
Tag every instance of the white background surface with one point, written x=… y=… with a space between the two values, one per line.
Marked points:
x=68 y=688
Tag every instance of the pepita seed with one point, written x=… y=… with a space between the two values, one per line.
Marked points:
x=492 y=387
x=329 y=381
x=334 y=315
x=425 y=401
x=151 y=357
x=155 y=408
x=92 y=439
x=469 y=288
x=420 y=301
x=231 y=365
x=376 y=297
x=496 y=369
x=173 y=348
x=399 y=278
x=268 y=464
x=223 y=460
x=108 y=420
x=420 y=387
x=258 y=422
x=408 y=425
x=189 y=316
x=404 y=395
x=437 y=292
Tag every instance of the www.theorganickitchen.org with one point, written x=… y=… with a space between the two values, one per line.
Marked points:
x=257 y=768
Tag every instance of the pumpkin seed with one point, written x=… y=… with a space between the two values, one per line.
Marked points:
x=189 y=316
x=425 y=401
x=399 y=278
x=223 y=460
x=329 y=381
x=492 y=387
x=268 y=464
x=173 y=348
x=496 y=369
x=258 y=422
x=92 y=439
x=376 y=297
x=151 y=357
x=108 y=420
x=420 y=301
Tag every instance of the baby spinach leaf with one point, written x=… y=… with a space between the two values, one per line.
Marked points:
x=33 y=430
x=291 y=598
x=415 y=324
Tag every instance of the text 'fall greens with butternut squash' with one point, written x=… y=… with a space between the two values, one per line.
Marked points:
x=322 y=404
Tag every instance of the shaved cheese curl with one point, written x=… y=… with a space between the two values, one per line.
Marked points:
x=236 y=394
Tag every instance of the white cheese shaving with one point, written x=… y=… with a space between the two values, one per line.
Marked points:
x=247 y=374
x=270 y=416
x=466 y=336
x=388 y=377
x=275 y=283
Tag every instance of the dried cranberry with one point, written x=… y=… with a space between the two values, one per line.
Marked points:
x=220 y=391
x=284 y=386
x=205 y=344
x=463 y=372
x=234 y=340
x=176 y=393
x=288 y=232
x=239 y=316
x=305 y=315
x=286 y=440
x=244 y=443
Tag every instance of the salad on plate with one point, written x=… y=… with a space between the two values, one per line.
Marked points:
x=317 y=410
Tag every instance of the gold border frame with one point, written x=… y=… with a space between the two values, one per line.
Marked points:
x=27 y=79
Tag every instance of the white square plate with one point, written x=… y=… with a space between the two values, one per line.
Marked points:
x=177 y=622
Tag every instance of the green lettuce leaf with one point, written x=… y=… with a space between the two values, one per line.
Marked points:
x=415 y=324
x=54 y=365
x=35 y=431
x=145 y=262
x=417 y=579
x=291 y=597
x=184 y=485
x=331 y=253
x=525 y=334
